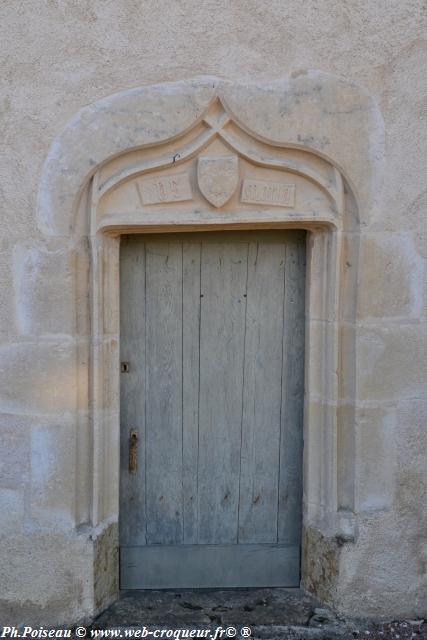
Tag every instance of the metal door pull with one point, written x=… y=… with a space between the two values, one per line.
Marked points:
x=133 y=451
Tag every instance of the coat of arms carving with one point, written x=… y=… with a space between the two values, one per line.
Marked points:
x=218 y=177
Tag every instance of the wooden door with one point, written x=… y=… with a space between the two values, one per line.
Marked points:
x=212 y=351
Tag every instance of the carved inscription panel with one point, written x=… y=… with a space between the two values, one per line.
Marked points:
x=216 y=173
x=268 y=193
x=189 y=191
x=173 y=188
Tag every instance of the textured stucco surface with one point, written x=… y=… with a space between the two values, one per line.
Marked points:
x=58 y=57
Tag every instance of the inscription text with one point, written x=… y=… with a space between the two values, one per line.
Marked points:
x=265 y=192
x=173 y=188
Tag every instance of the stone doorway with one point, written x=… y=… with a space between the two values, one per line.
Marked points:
x=202 y=163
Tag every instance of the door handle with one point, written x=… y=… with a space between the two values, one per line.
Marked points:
x=133 y=451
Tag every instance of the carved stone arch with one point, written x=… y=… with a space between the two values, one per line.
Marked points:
x=313 y=129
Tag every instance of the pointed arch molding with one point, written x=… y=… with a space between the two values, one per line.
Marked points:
x=311 y=127
x=312 y=111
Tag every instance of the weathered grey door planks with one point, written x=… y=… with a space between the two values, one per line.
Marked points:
x=191 y=256
x=163 y=412
x=212 y=326
x=222 y=343
x=262 y=393
x=132 y=393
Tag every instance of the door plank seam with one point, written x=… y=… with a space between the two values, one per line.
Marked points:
x=243 y=391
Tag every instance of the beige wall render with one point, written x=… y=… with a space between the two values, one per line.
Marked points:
x=55 y=537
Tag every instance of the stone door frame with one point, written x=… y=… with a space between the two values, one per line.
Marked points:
x=307 y=113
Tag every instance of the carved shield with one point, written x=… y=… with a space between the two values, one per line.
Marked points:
x=218 y=178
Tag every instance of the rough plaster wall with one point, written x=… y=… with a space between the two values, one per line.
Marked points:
x=58 y=56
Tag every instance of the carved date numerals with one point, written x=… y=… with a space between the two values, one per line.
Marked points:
x=158 y=190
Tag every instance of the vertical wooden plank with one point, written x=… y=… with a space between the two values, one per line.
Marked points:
x=222 y=326
x=190 y=375
x=164 y=392
x=132 y=390
x=290 y=481
x=262 y=393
